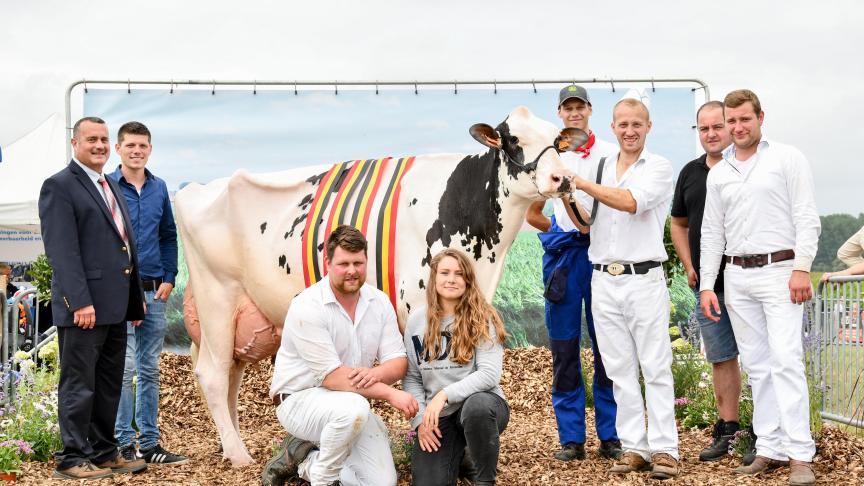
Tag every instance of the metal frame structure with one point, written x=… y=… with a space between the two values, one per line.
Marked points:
x=416 y=84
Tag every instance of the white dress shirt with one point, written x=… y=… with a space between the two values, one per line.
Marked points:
x=319 y=336
x=762 y=205
x=852 y=252
x=583 y=167
x=618 y=236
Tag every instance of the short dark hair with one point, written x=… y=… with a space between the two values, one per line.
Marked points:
x=91 y=119
x=348 y=238
x=133 y=128
x=740 y=96
x=709 y=104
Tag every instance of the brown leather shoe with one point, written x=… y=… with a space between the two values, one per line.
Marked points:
x=665 y=466
x=120 y=465
x=801 y=473
x=629 y=462
x=85 y=470
x=761 y=464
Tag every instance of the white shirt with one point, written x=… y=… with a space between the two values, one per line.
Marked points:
x=95 y=176
x=618 y=236
x=766 y=208
x=582 y=167
x=319 y=336
x=852 y=252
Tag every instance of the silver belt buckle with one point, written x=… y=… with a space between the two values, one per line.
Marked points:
x=615 y=269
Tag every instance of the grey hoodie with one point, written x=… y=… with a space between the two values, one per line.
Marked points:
x=425 y=379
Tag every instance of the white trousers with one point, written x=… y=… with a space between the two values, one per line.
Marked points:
x=354 y=445
x=631 y=318
x=767 y=329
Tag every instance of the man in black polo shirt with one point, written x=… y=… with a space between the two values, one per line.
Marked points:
x=688 y=205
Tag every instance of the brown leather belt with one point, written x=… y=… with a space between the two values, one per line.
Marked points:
x=755 y=261
x=279 y=398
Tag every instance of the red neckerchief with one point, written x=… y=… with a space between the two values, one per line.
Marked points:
x=586 y=149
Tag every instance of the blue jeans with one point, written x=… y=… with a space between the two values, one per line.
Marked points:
x=143 y=347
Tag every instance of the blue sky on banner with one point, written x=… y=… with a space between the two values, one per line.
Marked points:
x=198 y=136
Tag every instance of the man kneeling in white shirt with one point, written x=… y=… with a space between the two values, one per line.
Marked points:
x=323 y=376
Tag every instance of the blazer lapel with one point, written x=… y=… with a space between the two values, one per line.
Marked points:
x=121 y=205
x=85 y=181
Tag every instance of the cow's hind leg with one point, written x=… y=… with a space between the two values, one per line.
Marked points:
x=235 y=379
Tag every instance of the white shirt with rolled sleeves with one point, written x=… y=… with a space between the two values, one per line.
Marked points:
x=618 y=236
x=319 y=336
x=585 y=168
x=760 y=206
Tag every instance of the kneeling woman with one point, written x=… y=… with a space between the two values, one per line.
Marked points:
x=455 y=353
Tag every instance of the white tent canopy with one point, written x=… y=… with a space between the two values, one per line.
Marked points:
x=27 y=162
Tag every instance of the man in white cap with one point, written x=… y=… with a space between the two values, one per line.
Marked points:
x=760 y=211
x=567 y=273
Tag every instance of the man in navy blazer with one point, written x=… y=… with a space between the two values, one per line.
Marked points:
x=95 y=289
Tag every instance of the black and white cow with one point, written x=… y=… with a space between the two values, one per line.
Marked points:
x=257 y=238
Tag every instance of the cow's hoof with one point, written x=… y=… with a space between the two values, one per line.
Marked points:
x=241 y=460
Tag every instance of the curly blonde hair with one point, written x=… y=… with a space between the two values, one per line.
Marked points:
x=473 y=314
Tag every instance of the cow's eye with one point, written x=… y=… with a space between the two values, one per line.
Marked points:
x=514 y=140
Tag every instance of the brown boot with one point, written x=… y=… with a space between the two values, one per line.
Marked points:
x=801 y=473
x=761 y=464
x=665 y=466
x=629 y=462
x=120 y=465
x=85 y=470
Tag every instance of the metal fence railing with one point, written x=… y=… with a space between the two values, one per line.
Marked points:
x=834 y=341
x=20 y=333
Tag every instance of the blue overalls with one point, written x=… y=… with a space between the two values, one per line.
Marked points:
x=567 y=277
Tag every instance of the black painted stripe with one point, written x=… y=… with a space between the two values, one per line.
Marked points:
x=340 y=218
x=316 y=270
x=379 y=230
x=355 y=216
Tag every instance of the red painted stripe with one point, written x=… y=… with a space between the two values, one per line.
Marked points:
x=391 y=270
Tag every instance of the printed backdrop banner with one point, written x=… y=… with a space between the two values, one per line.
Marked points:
x=199 y=136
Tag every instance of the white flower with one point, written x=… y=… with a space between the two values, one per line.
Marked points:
x=702 y=384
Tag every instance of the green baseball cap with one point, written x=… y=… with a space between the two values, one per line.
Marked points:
x=573 y=91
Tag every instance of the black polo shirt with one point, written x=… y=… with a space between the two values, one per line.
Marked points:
x=689 y=202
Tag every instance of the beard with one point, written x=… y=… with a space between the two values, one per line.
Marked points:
x=348 y=284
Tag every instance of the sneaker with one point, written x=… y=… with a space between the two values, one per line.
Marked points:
x=282 y=466
x=129 y=452
x=120 y=465
x=610 y=449
x=85 y=470
x=801 y=473
x=761 y=464
x=158 y=455
x=629 y=462
x=664 y=466
x=570 y=451
x=723 y=434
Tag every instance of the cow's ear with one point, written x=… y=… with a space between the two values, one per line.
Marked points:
x=570 y=139
x=486 y=135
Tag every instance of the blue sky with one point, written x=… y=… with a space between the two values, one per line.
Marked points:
x=198 y=136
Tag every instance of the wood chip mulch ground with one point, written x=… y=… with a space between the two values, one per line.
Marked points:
x=526 y=446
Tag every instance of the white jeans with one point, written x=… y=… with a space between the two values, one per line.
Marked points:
x=354 y=445
x=631 y=318
x=767 y=329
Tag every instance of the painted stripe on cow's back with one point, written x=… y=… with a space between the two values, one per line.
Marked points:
x=358 y=190
x=311 y=271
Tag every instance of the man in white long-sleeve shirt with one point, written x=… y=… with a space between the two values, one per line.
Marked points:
x=630 y=301
x=323 y=376
x=760 y=208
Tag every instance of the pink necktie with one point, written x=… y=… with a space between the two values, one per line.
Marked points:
x=115 y=211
